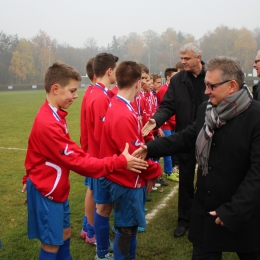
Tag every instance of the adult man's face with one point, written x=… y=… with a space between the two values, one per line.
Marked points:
x=217 y=94
x=257 y=64
x=190 y=62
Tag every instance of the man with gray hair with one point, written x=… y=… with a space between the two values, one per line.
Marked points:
x=183 y=97
x=225 y=214
x=256 y=88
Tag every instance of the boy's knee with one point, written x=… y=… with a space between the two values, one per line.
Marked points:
x=66 y=233
x=128 y=231
x=104 y=209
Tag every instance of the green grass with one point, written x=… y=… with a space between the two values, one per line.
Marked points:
x=18 y=110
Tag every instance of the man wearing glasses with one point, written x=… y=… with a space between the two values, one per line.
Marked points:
x=183 y=97
x=256 y=88
x=225 y=214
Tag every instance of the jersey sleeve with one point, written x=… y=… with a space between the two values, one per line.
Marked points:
x=54 y=145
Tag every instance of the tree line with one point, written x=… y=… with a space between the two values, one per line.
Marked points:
x=24 y=61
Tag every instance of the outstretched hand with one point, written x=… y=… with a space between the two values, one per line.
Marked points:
x=148 y=127
x=141 y=152
x=160 y=133
x=134 y=163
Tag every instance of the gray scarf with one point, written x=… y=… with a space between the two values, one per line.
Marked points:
x=215 y=117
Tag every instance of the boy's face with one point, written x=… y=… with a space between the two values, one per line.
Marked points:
x=138 y=88
x=168 y=78
x=113 y=75
x=66 y=95
x=145 y=80
x=157 y=84
x=151 y=83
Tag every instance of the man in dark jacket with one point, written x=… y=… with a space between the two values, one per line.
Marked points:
x=183 y=97
x=226 y=208
x=256 y=88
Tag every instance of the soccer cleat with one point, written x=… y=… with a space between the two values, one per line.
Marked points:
x=173 y=177
x=114 y=230
x=108 y=256
x=157 y=184
x=110 y=248
x=163 y=183
x=154 y=188
x=140 y=229
x=91 y=240
x=148 y=199
x=83 y=234
x=176 y=169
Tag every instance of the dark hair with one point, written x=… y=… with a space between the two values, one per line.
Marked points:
x=102 y=62
x=89 y=68
x=60 y=73
x=230 y=68
x=179 y=65
x=156 y=76
x=168 y=72
x=144 y=68
x=127 y=73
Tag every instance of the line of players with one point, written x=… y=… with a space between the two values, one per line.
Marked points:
x=97 y=201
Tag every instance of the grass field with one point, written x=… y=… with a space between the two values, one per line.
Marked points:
x=17 y=112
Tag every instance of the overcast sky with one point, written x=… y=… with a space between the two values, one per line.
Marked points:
x=72 y=22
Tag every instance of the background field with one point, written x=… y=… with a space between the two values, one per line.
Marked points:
x=17 y=112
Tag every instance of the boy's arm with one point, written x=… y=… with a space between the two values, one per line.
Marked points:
x=57 y=147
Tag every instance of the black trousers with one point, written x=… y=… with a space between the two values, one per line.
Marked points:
x=198 y=254
x=187 y=163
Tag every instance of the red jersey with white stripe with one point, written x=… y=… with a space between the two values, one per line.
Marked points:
x=51 y=154
x=122 y=126
x=171 y=123
x=150 y=110
x=96 y=109
x=139 y=106
x=83 y=120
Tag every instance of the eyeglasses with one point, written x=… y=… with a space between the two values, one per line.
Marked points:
x=212 y=86
x=256 y=61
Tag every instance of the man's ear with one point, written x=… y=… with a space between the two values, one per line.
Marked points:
x=233 y=86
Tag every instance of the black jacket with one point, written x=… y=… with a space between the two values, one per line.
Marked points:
x=232 y=186
x=256 y=90
x=179 y=100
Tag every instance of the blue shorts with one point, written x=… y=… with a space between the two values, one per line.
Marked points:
x=101 y=195
x=89 y=182
x=46 y=218
x=128 y=204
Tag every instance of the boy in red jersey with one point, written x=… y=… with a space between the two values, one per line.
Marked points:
x=96 y=108
x=51 y=154
x=127 y=190
x=87 y=232
x=168 y=127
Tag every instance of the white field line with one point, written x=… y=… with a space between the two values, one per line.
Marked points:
x=161 y=205
x=13 y=148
